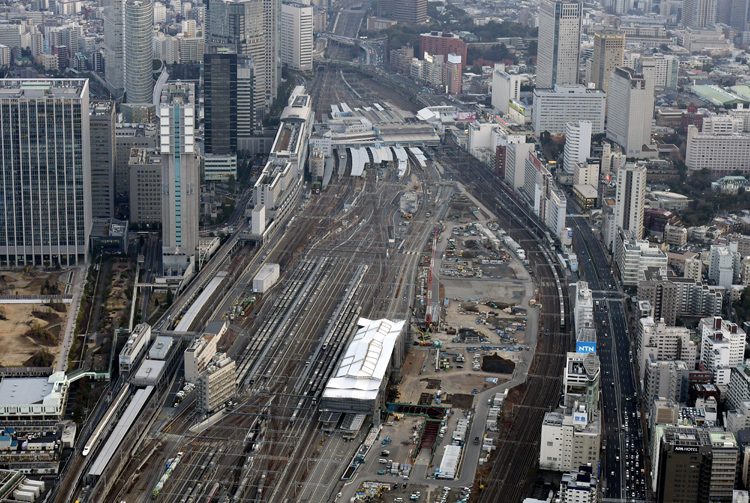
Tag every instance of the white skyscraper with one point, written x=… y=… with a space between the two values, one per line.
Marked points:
x=630 y=110
x=559 y=43
x=505 y=87
x=114 y=44
x=515 y=163
x=180 y=179
x=297 y=35
x=630 y=200
x=577 y=144
x=46 y=172
x=724 y=264
x=722 y=347
x=139 y=51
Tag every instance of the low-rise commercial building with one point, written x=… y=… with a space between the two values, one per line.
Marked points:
x=570 y=440
x=202 y=350
x=33 y=398
x=635 y=256
x=664 y=343
x=664 y=378
x=722 y=347
x=137 y=342
x=585 y=196
x=216 y=384
x=579 y=486
x=219 y=167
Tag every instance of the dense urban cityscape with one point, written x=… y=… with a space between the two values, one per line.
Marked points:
x=360 y=250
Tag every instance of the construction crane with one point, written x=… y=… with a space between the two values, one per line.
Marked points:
x=428 y=309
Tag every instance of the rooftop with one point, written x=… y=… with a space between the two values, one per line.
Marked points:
x=100 y=107
x=39 y=88
x=149 y=369
x=717 y=96
x=364 y=364
x=586 y=191
x=20 y=390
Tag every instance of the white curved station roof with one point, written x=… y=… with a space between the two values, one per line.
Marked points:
x=364 y=365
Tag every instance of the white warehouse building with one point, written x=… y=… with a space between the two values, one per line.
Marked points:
x=359 y=382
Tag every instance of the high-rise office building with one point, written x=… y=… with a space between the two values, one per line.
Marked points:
x=46 y=166
x=698 y=13
x=555 y=108
x=272 y=20
x=180 y=179
x=609 y=50
x=453 y=73
x=695 y=464
x=248 y=116
x=241 y=25
x=630 y=199
x=665 y=69
x=505 y=88
x=114 y=45
x=577 y=144
x=739 y=15
x=408 y=11
x=516 y=154
x=220 y=102
x=103 y=147
x=630 y=110
x=297 y=35
x=139 y=51
x=559 y=43
x=724 y=265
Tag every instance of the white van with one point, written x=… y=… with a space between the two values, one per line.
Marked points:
x=382 y=461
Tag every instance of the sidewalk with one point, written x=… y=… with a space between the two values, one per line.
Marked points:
x=78 y=282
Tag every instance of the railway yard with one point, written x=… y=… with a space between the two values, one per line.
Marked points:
x=341 y=264
x=348 y=254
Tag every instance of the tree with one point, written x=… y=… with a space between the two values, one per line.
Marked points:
x=170 y=297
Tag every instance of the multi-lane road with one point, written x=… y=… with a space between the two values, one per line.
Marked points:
x=622 y=459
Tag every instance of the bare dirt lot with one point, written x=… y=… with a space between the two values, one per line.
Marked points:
x=15 y=347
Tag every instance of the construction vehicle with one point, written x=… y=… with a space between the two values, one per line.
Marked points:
x=424 y=336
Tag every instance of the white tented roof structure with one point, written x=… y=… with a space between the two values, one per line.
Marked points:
x=402 y=158
x=384 y=153
x=359 y=160
x=449 y=463
x=375 y=157
x=363 y=367
x=419 y=156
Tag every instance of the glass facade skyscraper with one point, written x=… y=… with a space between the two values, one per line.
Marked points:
x=45 y=210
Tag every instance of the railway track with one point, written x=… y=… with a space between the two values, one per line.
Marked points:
x=513 y=473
